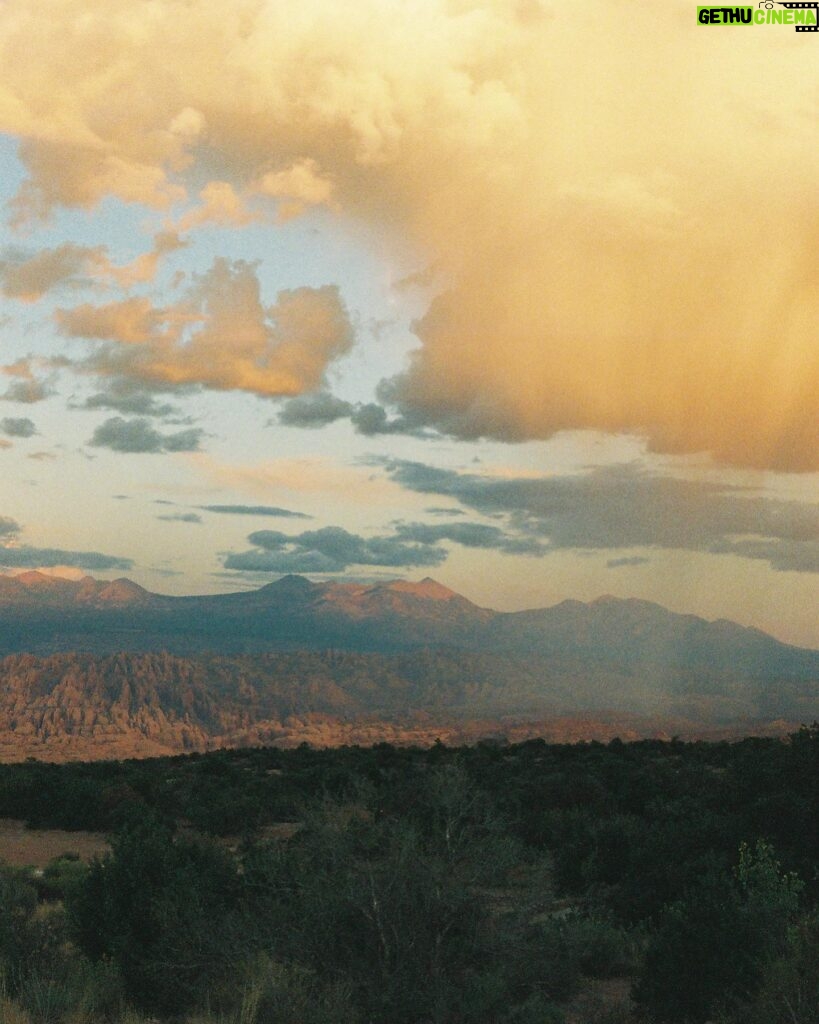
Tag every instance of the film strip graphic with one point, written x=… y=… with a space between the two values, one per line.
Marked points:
x=801 y=7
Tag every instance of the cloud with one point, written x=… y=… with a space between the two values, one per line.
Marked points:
x=25 y=387
x=220 y=337
x=143 y=268
x=8 y=527
x=29 y=277
x=42 y=456
x=25 y=557
x=314 y=410
x=626 y=507
x=221 y=206
x=616 y=563
x=614 y=259
x=471 y=535
x=21 y=556
x=296 y=188
x=26 y=391
x=17 y=426
x=368 y=418
x=331 y=549
x=255 y=510
x=130 y=397
x=181 y=517
x=139 y=436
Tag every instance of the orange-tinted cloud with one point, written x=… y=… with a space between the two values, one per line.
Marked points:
x=28 y=278
x=620 y=200
x=222 y=337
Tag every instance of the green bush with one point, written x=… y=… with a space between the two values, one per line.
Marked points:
x=712 y=947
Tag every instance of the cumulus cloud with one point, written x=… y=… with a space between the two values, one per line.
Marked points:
x=25 y=386
x=314 y=410
x=25 y=557
x=617 y=259
x=255 y=510
x=220 y=205
x=138 y=436
x=27 y=277
x=296 y=188
x=626 y=507
x=341 y=548
x=333 y=549
x=8 y=527
x=14 y=555
x=368 y=418
x=130 y=397
x=220 y=337
x=471 y=535
x=20 y=426
x=27 y=392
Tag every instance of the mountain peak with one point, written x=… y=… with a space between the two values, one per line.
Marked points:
x=121 y=591
x=427 y=588
x=34 y=578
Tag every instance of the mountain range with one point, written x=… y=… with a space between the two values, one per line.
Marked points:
x=96 y=668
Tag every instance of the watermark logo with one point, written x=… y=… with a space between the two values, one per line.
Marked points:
x=803 y=16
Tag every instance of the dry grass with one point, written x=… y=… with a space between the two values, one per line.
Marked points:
x=23 y=847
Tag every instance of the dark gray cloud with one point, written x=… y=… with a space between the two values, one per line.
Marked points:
x=783 y=555
x=333 y=549
x=255 y=510
x=140 y=436
x=282 y=562
x=130 y=397
x=472 y=535
x=33 y=558
x=181 y=517
x=314 y=410
x=22 y=556
x=368 y=418
x=371 y=419
x=8 y=527
x=627 y=506
x=27 y=391
x=616 y=563
x=434 y=511
x=339 y=548
x=18 y=427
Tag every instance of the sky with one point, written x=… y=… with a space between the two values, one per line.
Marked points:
x=517 y=294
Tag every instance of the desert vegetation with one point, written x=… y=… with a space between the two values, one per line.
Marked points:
x=661 y=882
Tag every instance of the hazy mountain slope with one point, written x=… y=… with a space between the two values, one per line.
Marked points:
x=257 y=666
x=42 y=615
x=86 y=706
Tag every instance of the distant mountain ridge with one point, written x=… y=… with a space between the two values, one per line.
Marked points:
x=90 y=666
x=106 y=616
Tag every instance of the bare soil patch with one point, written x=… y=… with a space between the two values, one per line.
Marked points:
x=21 y=846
